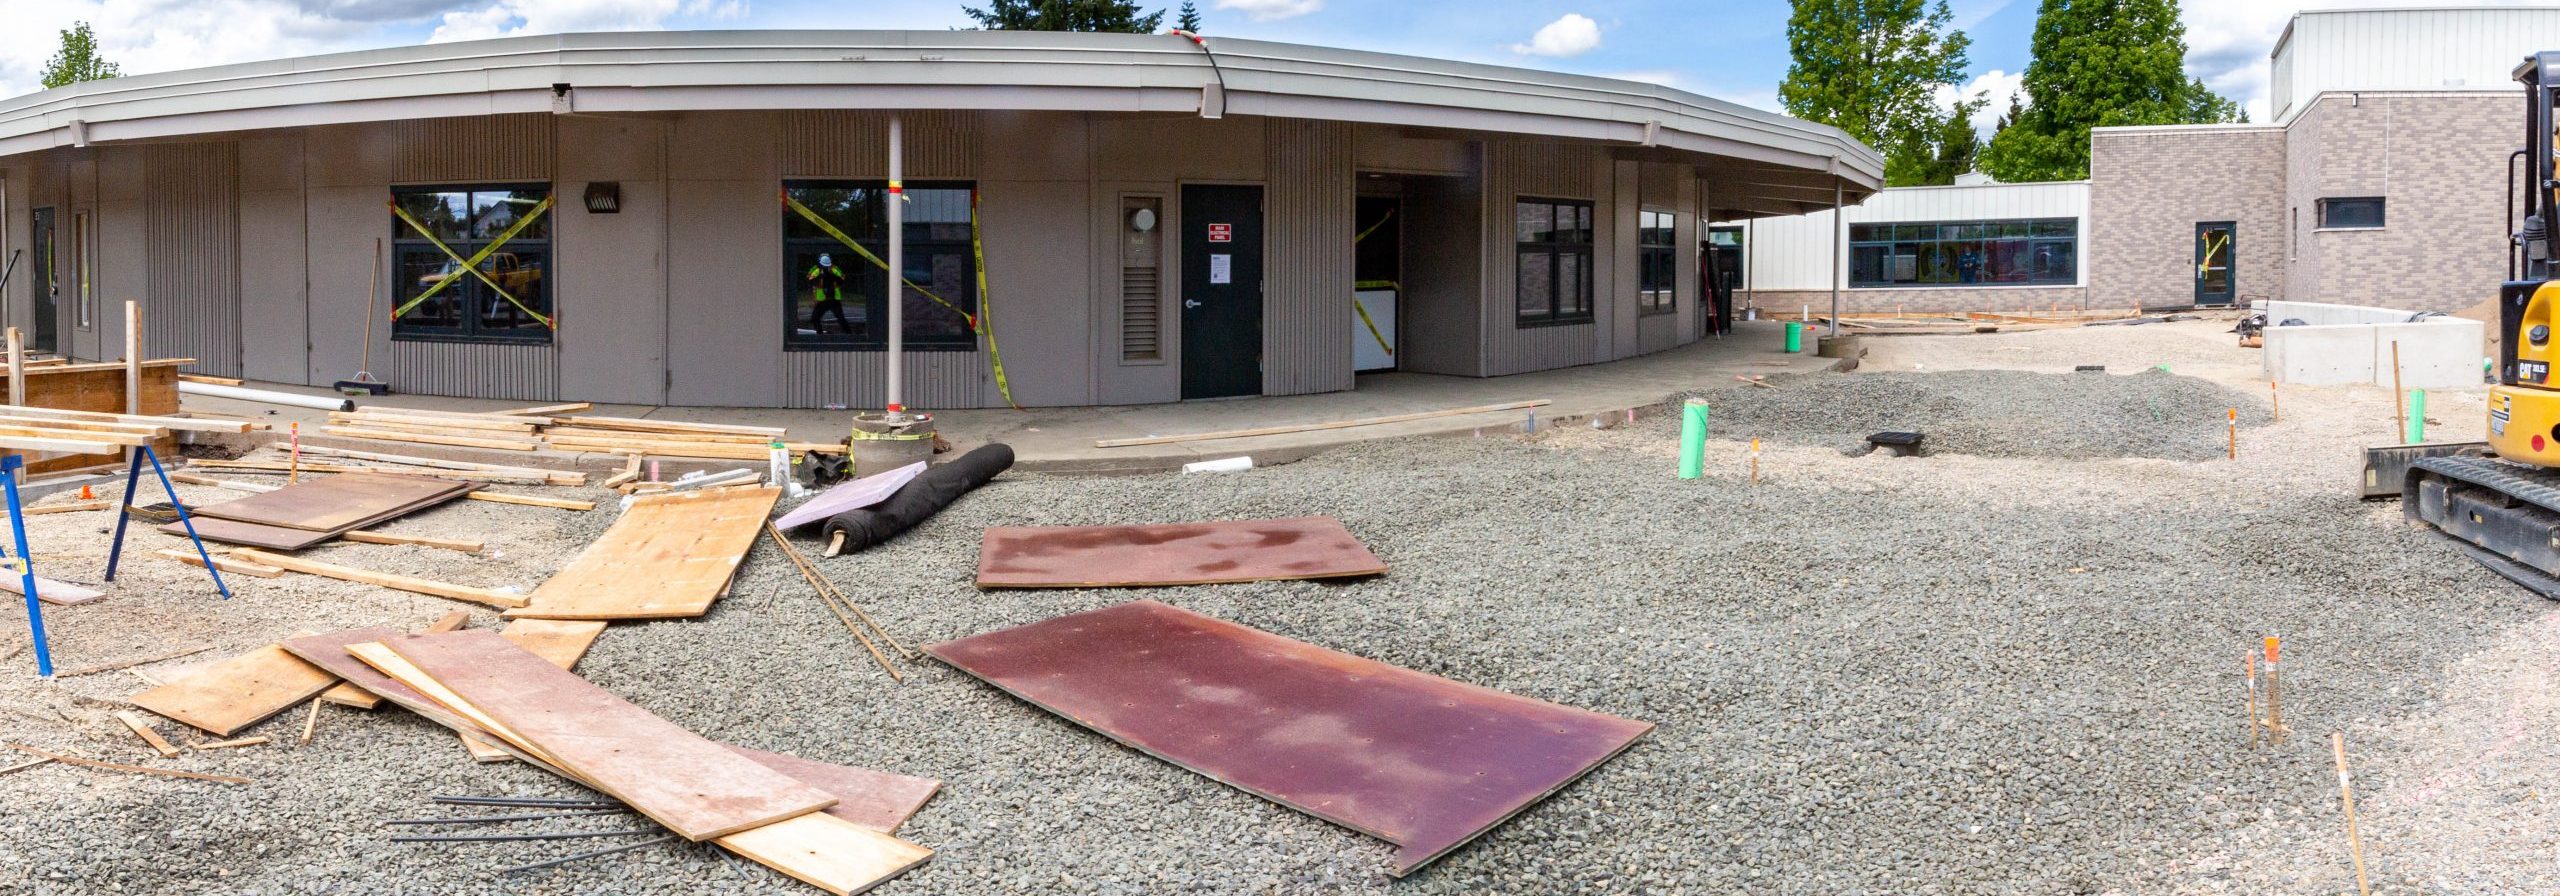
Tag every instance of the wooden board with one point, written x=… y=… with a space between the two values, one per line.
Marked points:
x=1417 y=759
x=873 y=799
x=52 y=592
x=220 y=561
x=695 y=787
x=827 y=852
x=669 y=556
x=561 y=641
x=143 y=729
x=97 y=391
x=329 y=653
x=337 y=502
x=236 y=693
x=392 y=581
x=1226 y=551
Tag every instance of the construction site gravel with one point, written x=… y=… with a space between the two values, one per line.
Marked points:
x=2010 y=667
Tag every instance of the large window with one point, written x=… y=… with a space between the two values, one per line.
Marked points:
x=1657 y=262
x=1554 y=249
x=2363 y=212
x=838 y=299
x=507 y=227
x=2041 y=252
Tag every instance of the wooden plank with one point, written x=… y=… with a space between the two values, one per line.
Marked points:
x=638 y=424
x=377 y=416
x=465 y=545
x=532 y=501
x=277 y=466
x=73 y=507
x=236 y=693
x=142 y=729
x=329 y=653
x=17 y=367
x=129 y=663
x=385 y=435
x=562 y=641
x=591 y=434
x=392 y=581
x=211 y=380
x=56 y=423
x=549 y=409
x=338 y=502
x=1311 y=427
x=1209 y=553
x=189 y=424
x=695 y=787
x=193 y=479
x=436 y=462
x=67 y=446
x=877 y=800
x=668 y=556
x=480 y=750
x=136 y=769
x=132 y=356
x=112 y=438
x=220 y=561
x=827 y=852
x=228 y=744
x=62 y=594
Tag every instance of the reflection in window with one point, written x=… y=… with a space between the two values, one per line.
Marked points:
x=1554 y=253
x=436 y=298
x=2042 y=252
x=1657 y=262
x=836 y=298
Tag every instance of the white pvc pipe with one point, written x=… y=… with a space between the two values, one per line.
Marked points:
x=288 y=399
x=897 y=267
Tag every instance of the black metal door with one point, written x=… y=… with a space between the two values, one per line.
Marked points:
x=47 y=288
x=1221 y=291
x=2216 y=279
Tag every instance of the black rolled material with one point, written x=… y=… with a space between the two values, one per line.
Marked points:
x=918 y=501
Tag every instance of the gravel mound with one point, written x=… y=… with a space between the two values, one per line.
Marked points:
x=1991 y=413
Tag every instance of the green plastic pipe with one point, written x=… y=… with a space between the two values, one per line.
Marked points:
x=1795 y=337
x=1693 y=438
x=2417 y=417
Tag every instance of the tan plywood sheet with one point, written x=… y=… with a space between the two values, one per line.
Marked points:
x=236 y=693
x=669 y=556
x=695 y=787
x=562 y=641
x=827 y=852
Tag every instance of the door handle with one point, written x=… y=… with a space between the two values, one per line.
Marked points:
x=1191 y=303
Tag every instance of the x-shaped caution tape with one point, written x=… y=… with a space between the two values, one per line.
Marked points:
x=472 y=264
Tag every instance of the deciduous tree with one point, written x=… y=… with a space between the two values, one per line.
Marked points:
x=2099 y=63
x=1873 y=68
x=78 y=60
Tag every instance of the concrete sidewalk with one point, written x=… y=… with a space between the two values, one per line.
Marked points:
x=1062 y=438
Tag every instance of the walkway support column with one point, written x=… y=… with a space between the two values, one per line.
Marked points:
x=1839 y=235
x=897 y=272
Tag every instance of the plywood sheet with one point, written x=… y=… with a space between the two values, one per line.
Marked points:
x=562 y=641
x=329 y=653
x=338 y=501
x=1416 y=759
x=278 y=538
x=236 y=693
x=669 y=556
x=827 y=852
x=695 y=787
x=1309 y=547
x=873 y=799
x=52 y=592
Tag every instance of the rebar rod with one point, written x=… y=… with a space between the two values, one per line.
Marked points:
x=563 y=860
x=485 y=819
x=555 y=835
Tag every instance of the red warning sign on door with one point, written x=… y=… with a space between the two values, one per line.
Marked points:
x=1222 y=233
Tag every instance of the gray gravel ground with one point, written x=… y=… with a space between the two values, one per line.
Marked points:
x=1945 y=675
x=1993 y=413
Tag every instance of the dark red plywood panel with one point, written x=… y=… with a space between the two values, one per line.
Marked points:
x=1226 y=551
x=1416 y=759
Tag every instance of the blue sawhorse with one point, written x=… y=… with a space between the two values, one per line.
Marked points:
x=9 y=472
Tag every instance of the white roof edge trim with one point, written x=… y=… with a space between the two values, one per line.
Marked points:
x=960 y=69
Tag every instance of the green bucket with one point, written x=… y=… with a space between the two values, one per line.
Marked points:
x=1795 y=337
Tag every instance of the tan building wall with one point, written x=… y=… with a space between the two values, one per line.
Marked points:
x=2437 y=160
x=2150 y=187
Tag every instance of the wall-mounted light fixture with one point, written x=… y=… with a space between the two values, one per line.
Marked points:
x=604 y=197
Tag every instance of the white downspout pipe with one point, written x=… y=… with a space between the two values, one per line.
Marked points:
x=897 y=409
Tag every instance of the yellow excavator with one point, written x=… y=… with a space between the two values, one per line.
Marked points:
x=2503 y=495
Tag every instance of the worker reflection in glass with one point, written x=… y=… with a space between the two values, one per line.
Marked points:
x=826 y=290
x=1969 y=265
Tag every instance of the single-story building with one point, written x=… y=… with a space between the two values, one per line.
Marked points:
x=2381 y=178
x=696 y=218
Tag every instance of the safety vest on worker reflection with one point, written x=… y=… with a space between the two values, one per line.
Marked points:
x=828 y=281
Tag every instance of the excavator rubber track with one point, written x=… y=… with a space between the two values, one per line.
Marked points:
x=2511 y=510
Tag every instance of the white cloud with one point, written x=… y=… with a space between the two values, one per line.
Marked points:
x=1572 y=35
x=159 y=35
x=1997 y=86
x=506 y=18
x=1271 y=10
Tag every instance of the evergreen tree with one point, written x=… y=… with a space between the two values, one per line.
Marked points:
x=1948 y=152
x=1873 y=68
x=78 y=60
x=1189 y=18
x=1065 y=15
x=2099 y=63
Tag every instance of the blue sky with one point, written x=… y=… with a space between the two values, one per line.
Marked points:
x=1731 y=49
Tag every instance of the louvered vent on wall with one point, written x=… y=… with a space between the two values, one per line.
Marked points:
x=1141 y=279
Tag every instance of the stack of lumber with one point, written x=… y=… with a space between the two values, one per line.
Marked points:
x=322 y=459
x=535 y=429
x=27 y=429
x=776 y=811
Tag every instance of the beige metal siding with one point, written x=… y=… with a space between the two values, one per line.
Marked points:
x=462 y=150
x=939 y=144
x=1548 y=171
x=479 y=370
x=1306 y=297
x=191 y=307
x=497 y=148
x=859 y=379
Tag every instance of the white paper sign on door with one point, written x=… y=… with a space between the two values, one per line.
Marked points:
x=1222 y=269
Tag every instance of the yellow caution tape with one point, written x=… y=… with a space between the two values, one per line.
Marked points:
x=2210 y=250
x=1373 y=228
x=978 y=254
x=848 y=242
x=473 y=264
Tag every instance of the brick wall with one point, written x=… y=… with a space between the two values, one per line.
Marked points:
x=2438 y=160
x=2150 y=187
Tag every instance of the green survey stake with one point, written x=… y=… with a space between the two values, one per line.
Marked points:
x=1693 y=438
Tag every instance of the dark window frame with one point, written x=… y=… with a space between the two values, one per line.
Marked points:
x=2381 y=212
x=858 y=269
x=405 y=241
x=1657 y=262
x=1940 y=245
x=1560 y=243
